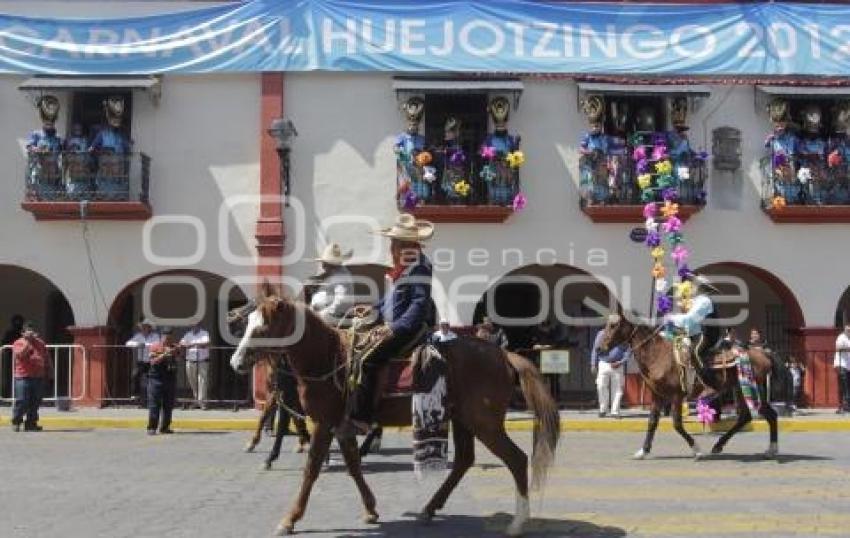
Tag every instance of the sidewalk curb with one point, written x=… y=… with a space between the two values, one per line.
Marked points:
x=628 y=425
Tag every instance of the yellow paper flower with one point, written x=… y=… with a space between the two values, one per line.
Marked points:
x=657 y=252
x=462 y=187
x=685 y=304
x=515 y=159
x=684 y=290
x=669 y=209
x=644 y=181
x=664 y=167
x=658 y=271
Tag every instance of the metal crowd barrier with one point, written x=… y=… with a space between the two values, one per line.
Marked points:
x=61 y=387
x=127 y=382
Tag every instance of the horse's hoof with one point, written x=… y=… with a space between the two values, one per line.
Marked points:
x=285 y=529
x=300 y=448
x=250 y=447
x=370 y=519
x=771 y=452
x=376 y=445
x=717 y=449
x=639 y=455
x=514 y=530
x=267 y=466
x=698 y=455
x=425 y=516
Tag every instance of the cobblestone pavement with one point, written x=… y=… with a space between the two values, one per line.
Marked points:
x=121 y=483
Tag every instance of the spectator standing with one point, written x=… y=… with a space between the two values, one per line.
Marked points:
x=610 y=373
x=6 y=363
x=162 y=381
x=444 y=334
x=197 y=344
x=842 y=367
x=796 y=370
x=495 y=335
x=32 y=367
x=141 y=342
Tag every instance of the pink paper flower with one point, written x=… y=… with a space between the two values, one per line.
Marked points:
x=680 y=254
x=649 y=210
x=639 y=153
x=705 y=413
x=659 y=153
x=672 y=225
x=488 y=152
x=519 y=202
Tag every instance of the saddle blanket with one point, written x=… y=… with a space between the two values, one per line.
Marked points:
x=430 y=413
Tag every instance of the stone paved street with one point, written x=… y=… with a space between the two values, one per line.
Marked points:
x=121 y=483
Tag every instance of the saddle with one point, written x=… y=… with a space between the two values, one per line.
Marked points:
x=395 y=379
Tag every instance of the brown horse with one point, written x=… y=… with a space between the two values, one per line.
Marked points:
x=656 y=359
x=486 y=374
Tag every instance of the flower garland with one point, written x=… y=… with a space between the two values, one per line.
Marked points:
x=514 y=159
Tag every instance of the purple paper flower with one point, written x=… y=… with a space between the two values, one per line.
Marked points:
x=410 y=200
x=458 y=158
x=779 y=159
x=705 y=413
x=659 y=153
x=672 y=225
x=639 y=153
x=701 y=155
x=658 y=139
x=664 y=304
x=684 y=271
x=701 y=197
x=671 y=194
x=642 y=166
x=653 y=239
x=519 y=202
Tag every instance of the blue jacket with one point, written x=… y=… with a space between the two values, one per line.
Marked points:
x=406 y=305
x=616 y=354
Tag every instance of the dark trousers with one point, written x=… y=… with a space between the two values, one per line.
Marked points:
x=161 y=392
x=27 y=400
x=140 y=381
x=844 y=389
x=365 y=397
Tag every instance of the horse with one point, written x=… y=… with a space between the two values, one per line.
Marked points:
x=656 y=359
x=480 y=380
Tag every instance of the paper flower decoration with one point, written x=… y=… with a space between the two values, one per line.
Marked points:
x=423 y=158
x=672 y=225
x=457 y=158
x=659 y=153
x=404 y=186
x=515 y=159
x=660 y=285
x=644 y=181
x=462 y=188
x=651 y=225
x=410 y=200
x=779 y=159
x=670 y=209
x=658 y=271
x=684 y=289
x=642 y=166
x=519 y=202
x=664 y=167
x=639 y=154
x=659 y=139
x=675 y=238
x=705 y=413
x=657 y=253
x=804 y=174
x=684 y=271
x=834 y=159
x=488 y=152
x=670 y=194
x=429 y=174
x=664 y=304
x=683 y=172
x=647 y=195
x=702 y=156
x=650 y=210
x=680 y=254
x=488 y=174
x=778 y=202
x=653 y=239
x=701 y=196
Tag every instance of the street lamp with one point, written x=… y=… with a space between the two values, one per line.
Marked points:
x=283 y=131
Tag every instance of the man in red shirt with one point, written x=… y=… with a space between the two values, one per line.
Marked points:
x=32 y=366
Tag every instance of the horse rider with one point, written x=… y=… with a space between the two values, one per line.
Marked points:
x=403 y=315
x=697 y=324
x=330 y=291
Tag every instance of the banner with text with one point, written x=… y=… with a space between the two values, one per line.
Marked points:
x=441 y=35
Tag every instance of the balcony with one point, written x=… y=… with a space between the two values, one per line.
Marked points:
x=808 y=189
x=72 y=185
x=448 y=185
x=610 y=191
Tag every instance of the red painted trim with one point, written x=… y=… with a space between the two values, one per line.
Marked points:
x=94 y=340
x=802 y=214
x=270 y=232
x=632 y=214
x=94 y=210
x=463 y=213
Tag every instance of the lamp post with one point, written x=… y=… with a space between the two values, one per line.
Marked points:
x=283 y=131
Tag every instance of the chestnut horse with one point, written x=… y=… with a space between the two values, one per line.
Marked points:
x=486 y=374
x=656 y=359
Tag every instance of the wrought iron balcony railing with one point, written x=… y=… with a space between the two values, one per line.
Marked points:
x=70 y=176
x=804 y=180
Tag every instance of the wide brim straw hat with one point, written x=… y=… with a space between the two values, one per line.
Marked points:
x=334 y=255
x=408 y=228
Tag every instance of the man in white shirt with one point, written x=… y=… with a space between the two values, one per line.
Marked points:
x=842 y=367
x=196 y=341
x=330 y=291
x=145 y=337
x=444 y=334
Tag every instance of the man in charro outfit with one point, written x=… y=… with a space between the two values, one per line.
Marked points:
x=403 y=315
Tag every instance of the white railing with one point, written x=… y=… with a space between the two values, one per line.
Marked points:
x=63 y=358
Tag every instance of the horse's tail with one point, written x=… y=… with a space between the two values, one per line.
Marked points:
x=547 y=421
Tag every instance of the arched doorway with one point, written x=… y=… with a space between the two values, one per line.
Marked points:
x=177 y=297
x=32 y=296
x=574 y=300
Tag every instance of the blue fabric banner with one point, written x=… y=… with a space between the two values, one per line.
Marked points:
x=442 y=35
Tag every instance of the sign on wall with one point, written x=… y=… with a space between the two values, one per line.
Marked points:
x=435 y=35
x=555 y=361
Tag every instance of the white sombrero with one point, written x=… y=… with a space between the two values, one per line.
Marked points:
x=334 y=255
x=407 y=228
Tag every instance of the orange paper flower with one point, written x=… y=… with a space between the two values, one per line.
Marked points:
x=669 y=209
x=658 y=271
x=778 y=202
x=423 y=158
